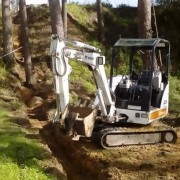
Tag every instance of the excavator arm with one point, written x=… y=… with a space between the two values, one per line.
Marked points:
x=61 y=52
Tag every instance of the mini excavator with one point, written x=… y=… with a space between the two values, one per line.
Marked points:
x=139 y=97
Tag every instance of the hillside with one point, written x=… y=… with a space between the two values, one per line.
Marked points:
x=38 y=148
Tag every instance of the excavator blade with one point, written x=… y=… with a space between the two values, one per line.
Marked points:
x=115 y=139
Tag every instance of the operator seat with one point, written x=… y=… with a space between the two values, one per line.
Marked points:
x=139 y=93
x=144 y=78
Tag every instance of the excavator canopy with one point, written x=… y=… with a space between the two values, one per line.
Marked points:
x=145 y=43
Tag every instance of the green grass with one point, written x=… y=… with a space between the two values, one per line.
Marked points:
x=79 y=12
x=20 y=157
x=10 y=170
x=174 y=96
x=3 y=75
x=83 y=76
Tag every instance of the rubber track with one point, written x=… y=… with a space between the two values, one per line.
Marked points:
x=108 y=131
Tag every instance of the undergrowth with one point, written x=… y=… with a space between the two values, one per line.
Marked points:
x=82 y=75
x=3 y=75
x=174 y=96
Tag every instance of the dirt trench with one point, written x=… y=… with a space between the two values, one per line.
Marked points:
x=72 y=155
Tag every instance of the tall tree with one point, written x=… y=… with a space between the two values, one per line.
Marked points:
x=144 y=26
x=8 y=58
x=144 y=17
x=56 y=18
x=64 y=16
x=25 y=41
x=100 y=21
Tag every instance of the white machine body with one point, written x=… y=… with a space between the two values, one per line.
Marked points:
x=105 y=100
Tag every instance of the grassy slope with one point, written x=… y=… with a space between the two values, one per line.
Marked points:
x=174 y=101
x=20 y=157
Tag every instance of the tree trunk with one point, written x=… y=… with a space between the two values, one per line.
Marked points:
x=56 y=18
x=25 y=42
x=8 y=56
x=144 y=26
x=100 y=21
x=64 y=15
x=144 y=16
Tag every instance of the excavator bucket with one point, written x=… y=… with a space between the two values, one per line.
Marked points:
x=81 y=120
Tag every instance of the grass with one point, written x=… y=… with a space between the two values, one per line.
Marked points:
x=79 y=12
x=20 y=157
x=3 y=74
x=174 y=102
x=82 y=75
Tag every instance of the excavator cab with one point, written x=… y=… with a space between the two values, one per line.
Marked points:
x=142 y=95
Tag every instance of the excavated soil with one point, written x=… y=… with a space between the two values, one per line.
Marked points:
x=87 y=160
x=134 y=162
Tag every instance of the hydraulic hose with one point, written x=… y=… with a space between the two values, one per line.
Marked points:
x=64 y=63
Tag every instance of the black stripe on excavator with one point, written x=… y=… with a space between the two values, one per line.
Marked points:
x=115 y=139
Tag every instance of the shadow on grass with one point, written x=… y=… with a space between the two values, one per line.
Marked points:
x=22 y=148
x=23 y=153
x=23 y=122
x=15 y=145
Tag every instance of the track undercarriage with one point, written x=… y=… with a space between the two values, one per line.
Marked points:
x=115 y=138
x=111 y=136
